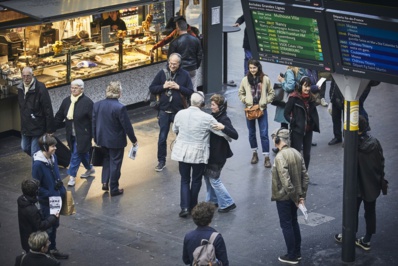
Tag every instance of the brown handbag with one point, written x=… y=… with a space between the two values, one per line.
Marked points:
x=253 y=112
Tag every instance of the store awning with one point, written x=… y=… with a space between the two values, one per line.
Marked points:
x=44 y=11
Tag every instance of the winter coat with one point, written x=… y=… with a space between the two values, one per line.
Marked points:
x=193 y=239
x=30 y=219
x=219 y=146
x=111 y=124
x=296 y=114
x=183 y=79
x=370 y=167
x=33 y=258
x=288 y=85
x=267 y=93
x=189 y=48
x=47 y=172
x=36 y=111
x=82 y=122
x=289 y=176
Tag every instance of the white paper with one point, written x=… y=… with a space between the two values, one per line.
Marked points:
x=303 y=209
x=133 y=152
x=55 y=204
x=320 y=82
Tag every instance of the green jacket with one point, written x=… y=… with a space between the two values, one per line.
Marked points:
x=289 y=176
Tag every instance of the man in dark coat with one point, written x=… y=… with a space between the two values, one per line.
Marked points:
x=111 y=124
x=76 y=110
x=29 y=217
x=246 y=44
x=36 y=111
x=174 y=87
x=189 y=48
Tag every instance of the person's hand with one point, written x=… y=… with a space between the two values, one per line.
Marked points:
x=218 y=126
x=174 y=85
x=57 y=215
x=236 y=25
x=166 y=85
x=280 y=79
x=135 y=144
x=301 y=201
x=330 y=108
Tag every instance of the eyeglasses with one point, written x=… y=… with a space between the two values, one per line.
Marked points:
x=75 y=88
x=174 y=64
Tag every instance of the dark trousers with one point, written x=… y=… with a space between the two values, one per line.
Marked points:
x=336 y=120
x=299 y=141
x=189 y=191
x=287 y=211
x=165 y=119
x=370 y=215
x=112 y=164
x=52 y=231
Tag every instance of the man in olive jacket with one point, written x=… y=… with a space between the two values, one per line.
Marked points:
x=289 y=188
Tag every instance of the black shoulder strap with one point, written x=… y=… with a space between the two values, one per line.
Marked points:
x=167 y=73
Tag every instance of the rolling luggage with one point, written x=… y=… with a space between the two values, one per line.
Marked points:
x=63 y=154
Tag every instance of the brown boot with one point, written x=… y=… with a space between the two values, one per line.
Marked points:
x=254 y=158
x=267 y=162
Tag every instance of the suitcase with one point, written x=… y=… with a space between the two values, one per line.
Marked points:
x=63 y=154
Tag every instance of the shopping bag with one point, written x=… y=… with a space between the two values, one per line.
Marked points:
x=97 y=156
x=68 y=204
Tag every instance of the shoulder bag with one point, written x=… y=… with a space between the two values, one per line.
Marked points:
x=254 y=112
x=279 y=95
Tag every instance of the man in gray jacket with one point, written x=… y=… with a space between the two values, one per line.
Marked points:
x=192 y=148
x=289 y=188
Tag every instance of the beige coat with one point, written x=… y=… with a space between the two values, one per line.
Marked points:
x=289 y=176
x=267 y=93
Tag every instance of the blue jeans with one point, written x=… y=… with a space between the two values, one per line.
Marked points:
x=217 y=193
x=263 y=126
x=78 y=158
x=287 y=211
x=165 y=119
x=189 y=191
x=248 y=56
x=52 y=231
x=30 y=145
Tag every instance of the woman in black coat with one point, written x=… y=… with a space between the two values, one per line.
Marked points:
x=76 y=110
x=301 y=113
x=219 y=152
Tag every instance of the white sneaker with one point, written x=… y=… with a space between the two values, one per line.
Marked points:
x=72 y=181
x=88 y=173
x=324 y=103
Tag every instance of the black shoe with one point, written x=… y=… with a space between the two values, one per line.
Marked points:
x=286 y=259
x=334 y=141
x=117 y=192
x=183 y=213
x=229 y=208
x=105 y=187
x=314 y=144
x=275 y=150
x=58 y=255
x=160 y=166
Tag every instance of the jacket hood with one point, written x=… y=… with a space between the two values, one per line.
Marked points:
x=25 y=201
x=367 y=143
x=39 y=156
x=32 y=87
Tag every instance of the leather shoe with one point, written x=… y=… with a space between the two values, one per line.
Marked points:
x=105 y=187
x=334 y=141
x=183 y=213
x=254 y=158
x=117 y=192
x=229 y=208
x=314 y=144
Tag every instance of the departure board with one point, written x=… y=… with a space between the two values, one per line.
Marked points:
x=367 y=46
x=289 y=35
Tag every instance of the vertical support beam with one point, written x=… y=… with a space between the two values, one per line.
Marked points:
x=351 y=114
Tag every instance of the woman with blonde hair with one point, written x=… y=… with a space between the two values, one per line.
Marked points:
x=256 y=89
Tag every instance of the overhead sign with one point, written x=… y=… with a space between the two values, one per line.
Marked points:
x=288 y=35
x=366 y=46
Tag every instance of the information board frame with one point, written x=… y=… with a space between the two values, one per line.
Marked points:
x=364 y=55
x=303 y=12
x=385 y=8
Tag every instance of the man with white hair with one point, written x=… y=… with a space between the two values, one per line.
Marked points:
x=111 y=124
x=76 y=111
x=191 y=149
x=289 y=188
x=36 y=111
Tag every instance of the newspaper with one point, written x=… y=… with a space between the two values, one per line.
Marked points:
x=55 y=204
x=133 y=152
x=303 y=209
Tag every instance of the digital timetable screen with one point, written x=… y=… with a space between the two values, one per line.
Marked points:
x=289 y=35
x=367 y=46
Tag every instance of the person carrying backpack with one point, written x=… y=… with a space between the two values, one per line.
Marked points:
x=202 y=215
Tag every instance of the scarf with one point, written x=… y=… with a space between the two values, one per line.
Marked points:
x=71 y=110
